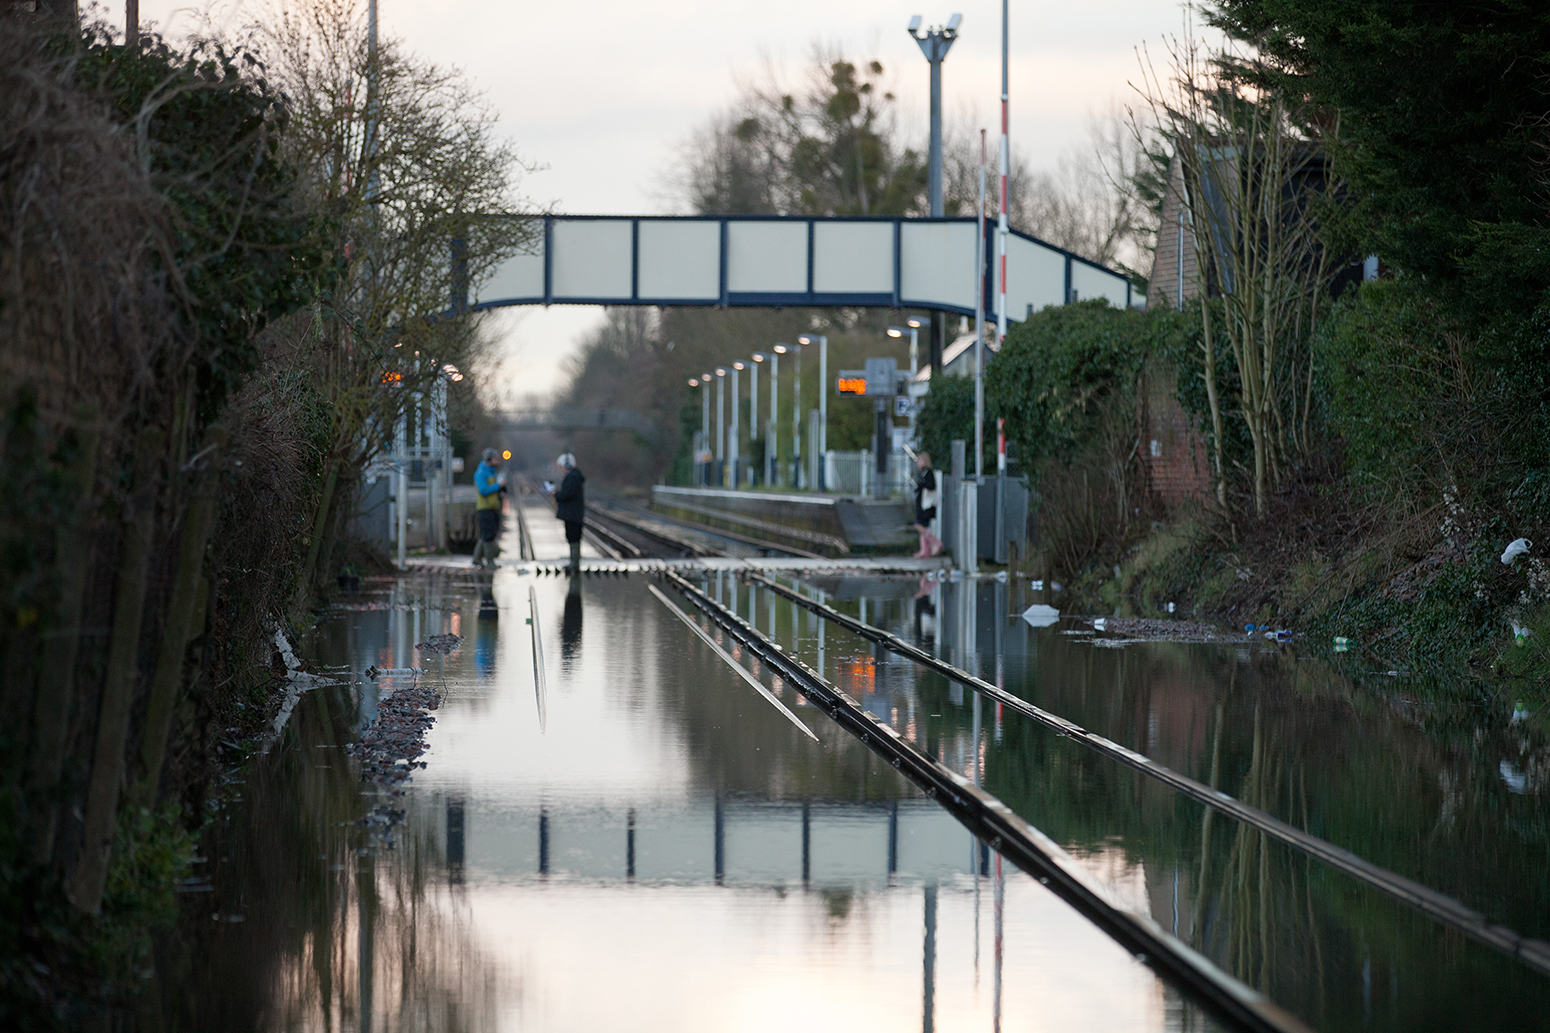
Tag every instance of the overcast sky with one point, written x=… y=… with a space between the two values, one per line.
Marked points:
x=602 y=93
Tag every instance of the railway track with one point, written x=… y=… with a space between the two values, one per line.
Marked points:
x=1441 y=908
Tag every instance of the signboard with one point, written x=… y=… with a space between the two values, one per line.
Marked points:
x=880 y=379
x=851 y=382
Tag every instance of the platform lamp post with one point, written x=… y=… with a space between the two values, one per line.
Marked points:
x=701 y=439
x=771 y=436
x=721 y=421
x=823 y=401
x=796 y=411
x=735 y=432
x=913 y=329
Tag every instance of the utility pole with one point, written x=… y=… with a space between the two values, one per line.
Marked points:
x=1006 y=160
x=979 y=325
x=934 y=44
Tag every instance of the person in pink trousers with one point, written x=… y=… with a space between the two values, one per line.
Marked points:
x=925 y=506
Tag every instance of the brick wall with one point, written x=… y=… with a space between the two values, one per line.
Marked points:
x=1163 y=288
x=1174 y=452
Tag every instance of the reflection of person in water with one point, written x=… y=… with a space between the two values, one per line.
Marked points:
x=570 y=626
x=485 y=633
x=925 y=613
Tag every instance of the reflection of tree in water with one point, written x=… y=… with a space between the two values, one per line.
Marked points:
x=318 y=890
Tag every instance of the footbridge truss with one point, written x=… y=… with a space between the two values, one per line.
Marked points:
x=776 y=261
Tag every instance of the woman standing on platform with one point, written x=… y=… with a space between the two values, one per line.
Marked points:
x=571 y=507
x=925 y=506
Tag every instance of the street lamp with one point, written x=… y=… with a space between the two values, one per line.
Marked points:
x=823 y=401
x=734 y=436
x=914 y=331
x=702 y=438
x=796 y=410
x=771 y=436
x=721 y=419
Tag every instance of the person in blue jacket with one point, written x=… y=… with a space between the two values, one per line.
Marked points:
x=491 y=488
x=570 y=506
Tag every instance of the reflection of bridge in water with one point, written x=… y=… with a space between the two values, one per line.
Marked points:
x=725 y=841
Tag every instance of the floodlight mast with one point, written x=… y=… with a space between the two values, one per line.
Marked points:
x=934 y=44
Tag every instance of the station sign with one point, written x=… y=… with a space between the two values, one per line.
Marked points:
x=880 y=379
x=851 y=382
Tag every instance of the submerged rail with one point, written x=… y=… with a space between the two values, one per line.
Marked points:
x=731 y=661
x=1436 y=905
x=1011 y=836
x=540 y=686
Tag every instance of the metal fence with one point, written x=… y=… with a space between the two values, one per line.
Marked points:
x=855 y=473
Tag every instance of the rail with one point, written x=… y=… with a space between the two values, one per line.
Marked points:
x=1011 y=836
x=1439 y=906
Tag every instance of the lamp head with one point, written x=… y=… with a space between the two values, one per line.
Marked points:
x=894 y=331
x=914 y=25
x=720 y=372
x=781 y=349
x=738 y=365
x=952 y=24
x=694 y=382
x=914 y=322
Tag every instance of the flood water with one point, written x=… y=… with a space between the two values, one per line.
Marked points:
x=652 y=845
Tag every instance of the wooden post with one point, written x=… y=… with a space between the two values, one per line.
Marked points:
x=107 y=773
x=56 y=689
x=177 y=628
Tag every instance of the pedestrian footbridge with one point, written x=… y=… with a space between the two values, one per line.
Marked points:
x=775 y=261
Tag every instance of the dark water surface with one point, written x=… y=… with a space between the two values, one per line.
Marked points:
x=665 y=851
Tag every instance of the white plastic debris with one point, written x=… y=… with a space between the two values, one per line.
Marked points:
x=1519 y=547
x=1520 y=634
x=1101 y=624
x=1041 y=616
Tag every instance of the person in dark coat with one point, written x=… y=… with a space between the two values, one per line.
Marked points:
x=570 y=506
x=925 y=506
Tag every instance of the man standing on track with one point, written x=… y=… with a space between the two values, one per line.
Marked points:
x=570 y=506
x=487 y=510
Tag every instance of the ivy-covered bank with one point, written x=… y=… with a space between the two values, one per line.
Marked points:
x=191 y=379
x=1390 y=533
x=1356 y=329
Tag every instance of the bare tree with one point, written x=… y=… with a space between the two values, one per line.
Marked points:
x=1255 y=177
x=402 y=159
x=826 y=143
x=1090 y=202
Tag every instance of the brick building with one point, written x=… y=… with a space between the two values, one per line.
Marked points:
x=1174 y=451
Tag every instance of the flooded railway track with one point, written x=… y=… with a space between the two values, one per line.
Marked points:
x=1440 y=907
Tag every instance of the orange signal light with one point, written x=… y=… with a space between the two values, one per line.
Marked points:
x=506 y=454
x=852 y=385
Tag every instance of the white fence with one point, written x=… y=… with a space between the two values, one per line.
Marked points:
x=855 y=473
